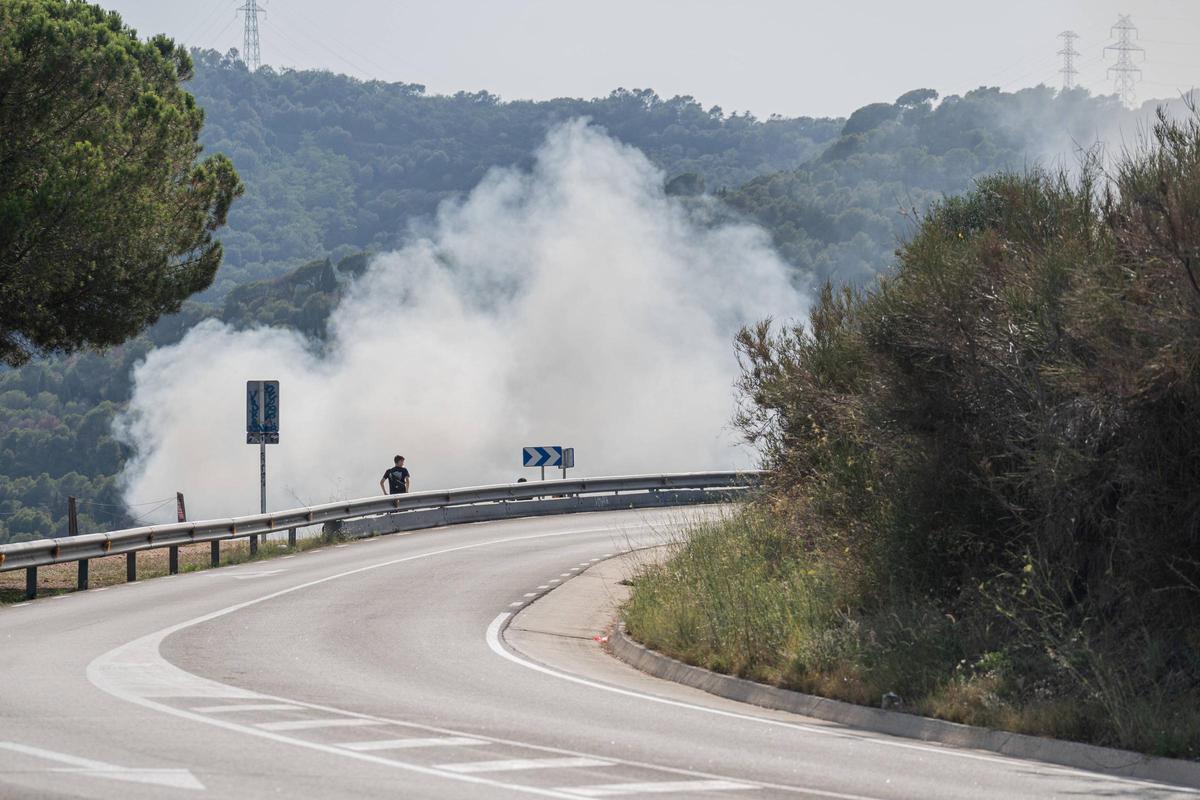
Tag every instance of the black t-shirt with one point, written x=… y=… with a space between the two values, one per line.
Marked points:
x=395 y=478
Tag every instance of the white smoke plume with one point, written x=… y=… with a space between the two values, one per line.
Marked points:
x=573 y=304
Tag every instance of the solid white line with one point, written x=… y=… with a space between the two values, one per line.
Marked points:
x=409 y=744
x=512 y=764
x=248 y=707
x=493 y=641
x=617 y=789
x=310 y=724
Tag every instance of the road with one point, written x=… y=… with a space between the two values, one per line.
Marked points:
x=378 y=669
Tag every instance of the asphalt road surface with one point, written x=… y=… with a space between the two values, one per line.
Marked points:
x=379 y=669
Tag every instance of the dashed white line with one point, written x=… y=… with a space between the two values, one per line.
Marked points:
x=555 y=580
x=248 y=707
x=309 y=724
x=518 y=603
x=544 y=586
x=656 y=787
x=530 y=594
x=512 y=764
x=408 y=744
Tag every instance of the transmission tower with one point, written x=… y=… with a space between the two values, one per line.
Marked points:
x=1124 y=74
x=1068 y=53
x=251 y=54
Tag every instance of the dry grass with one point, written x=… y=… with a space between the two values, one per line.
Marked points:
x=110 y=570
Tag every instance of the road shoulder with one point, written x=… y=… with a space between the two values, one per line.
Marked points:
x=575 y=629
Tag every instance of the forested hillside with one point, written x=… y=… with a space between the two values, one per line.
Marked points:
x=841 y=215
x=330 y=161
x=334 y=167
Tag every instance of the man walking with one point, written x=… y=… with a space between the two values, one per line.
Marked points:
x=396 y=478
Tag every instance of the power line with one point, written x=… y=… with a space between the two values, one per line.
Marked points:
x=1125 y=74
x=1068 y=52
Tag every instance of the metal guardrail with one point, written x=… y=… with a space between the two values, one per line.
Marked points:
x=44 y=552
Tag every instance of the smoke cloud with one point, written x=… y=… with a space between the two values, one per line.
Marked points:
x=571 y=304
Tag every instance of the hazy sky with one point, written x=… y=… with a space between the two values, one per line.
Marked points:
x=790 y=57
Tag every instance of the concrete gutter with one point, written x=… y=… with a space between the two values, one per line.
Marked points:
x=580 y=607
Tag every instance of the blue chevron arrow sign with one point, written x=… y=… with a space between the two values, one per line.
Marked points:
x=546 y=456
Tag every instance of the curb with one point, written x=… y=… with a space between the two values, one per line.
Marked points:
x=1107 y=760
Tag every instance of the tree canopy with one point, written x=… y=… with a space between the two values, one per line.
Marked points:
x=106 y=216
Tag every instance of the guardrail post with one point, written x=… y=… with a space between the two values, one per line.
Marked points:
x=291 y=537
x=215 y=552
x=81 y=578
x=173 y=552
x=254 y=545
x=131 y=566
x=30 y=583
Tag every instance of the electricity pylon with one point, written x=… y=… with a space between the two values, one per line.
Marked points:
x=1068 y=53
x=1124 y=74
x=251 y=54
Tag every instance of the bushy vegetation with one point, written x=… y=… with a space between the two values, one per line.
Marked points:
x=984 y=495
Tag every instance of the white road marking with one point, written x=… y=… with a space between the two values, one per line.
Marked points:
x=137 y=673
x=175 y=778
x=584 y=563
x=311 y=724
x=564 y=575
x=659 y=787
x=530 y=594
x=544 y=586
x=493 y=641
x=518 y=603
x=245 y=576
x=340 y=545
x=285 y=558
x=555 y=580
x=248 y=707
x=511 y=764
x=22 y=605
x=408 y=744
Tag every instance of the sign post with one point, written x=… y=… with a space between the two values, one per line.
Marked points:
x=568 y=460
x=262 y=429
